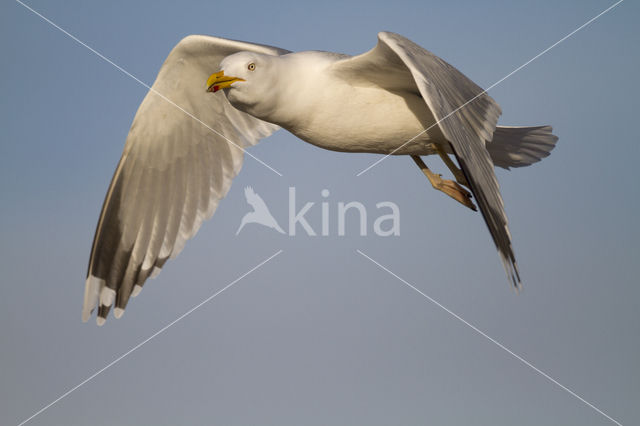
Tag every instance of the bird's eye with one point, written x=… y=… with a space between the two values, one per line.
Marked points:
x=251 y=66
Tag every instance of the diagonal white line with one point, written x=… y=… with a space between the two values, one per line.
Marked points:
x=494 y=85
x=139 y=345
x=491 y=339
x=101 y=56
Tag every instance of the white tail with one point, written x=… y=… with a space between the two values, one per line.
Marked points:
x=520 y=146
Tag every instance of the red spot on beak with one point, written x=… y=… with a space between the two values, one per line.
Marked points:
x=216 y=88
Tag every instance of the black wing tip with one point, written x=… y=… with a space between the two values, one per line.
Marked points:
x=513 y=273
x=119 y=304
x=103 y=313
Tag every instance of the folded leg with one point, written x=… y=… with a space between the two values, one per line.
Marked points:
x=449 y=187
x=457 y=173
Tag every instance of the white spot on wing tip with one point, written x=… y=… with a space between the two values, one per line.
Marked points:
x=117 y=312
x=155 y=272
x=91 y=295
x=107 y=295
x=100 y=321
x=136 y=290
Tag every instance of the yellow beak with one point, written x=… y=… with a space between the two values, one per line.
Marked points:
x=219 y=81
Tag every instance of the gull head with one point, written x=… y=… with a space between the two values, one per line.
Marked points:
x=250 y=81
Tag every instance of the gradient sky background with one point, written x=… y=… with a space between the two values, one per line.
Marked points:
x=320 y=335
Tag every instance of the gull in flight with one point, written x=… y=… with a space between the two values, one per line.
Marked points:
x=186 y=144
x=260 y=213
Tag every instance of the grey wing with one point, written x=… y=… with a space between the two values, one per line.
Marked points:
x=183 y=149
x=465 y=114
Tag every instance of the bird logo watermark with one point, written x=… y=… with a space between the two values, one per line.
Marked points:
x=386 y=223
x=260 y=214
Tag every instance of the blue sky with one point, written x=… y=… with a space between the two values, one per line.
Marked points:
x=320 y=335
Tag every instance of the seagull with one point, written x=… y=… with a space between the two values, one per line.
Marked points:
x=187 y=142
x=260 y=213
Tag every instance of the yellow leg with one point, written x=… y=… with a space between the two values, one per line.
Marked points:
x=457 y=173
x=449 y=187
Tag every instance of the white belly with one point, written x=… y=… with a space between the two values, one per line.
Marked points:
x=368 y=119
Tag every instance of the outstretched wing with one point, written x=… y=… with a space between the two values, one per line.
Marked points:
x=183 y=149
x=466 y=116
